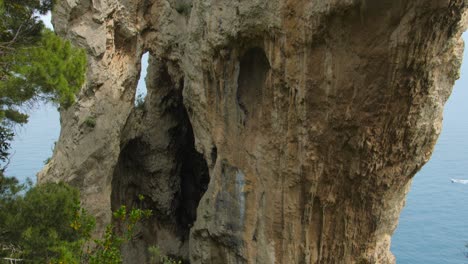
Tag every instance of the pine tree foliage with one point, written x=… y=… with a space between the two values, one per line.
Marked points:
x=35 y=64
x=20 y=24
x=53 y=70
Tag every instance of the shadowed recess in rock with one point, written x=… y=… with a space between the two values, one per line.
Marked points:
x=194 y=177
x=254 y=67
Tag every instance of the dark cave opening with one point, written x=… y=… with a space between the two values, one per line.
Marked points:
x=194 y=178
x=191 y=170
x=130 y=171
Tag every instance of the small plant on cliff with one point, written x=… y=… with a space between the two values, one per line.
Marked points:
x=122 y=230
x=156 y=257
x=46 y=161
x=90 y=121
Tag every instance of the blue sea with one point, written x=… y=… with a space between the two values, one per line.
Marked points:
x=34 y=142
x=433 y=227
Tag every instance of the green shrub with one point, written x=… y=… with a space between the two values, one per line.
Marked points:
x=46 y=161
x=156 y=257
x=45 y=224
x=90 y=121
x=107 y=249
x=38 y=224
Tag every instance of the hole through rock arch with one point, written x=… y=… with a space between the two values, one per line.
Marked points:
x=141 y=90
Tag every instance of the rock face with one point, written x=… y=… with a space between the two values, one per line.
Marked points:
x=274 y=131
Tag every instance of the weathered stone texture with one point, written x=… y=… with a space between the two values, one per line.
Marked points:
x=274 y=131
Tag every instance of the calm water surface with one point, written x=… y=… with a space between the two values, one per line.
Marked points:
x=433 y=226
x=34 y=142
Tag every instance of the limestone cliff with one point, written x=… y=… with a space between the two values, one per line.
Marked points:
x=274 y=131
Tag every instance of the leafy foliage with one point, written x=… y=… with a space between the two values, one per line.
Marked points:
x=47 y=212
x=159 y=258
x=10 y=190
x=53 y=69
x=44 y=225
x=20 y=27
x=121 y=231
x=90 y=121
x=20 y=24
x=6 y=135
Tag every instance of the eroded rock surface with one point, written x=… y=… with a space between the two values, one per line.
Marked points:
x=274 y=131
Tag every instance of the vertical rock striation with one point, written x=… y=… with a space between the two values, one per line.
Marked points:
x=274 y=131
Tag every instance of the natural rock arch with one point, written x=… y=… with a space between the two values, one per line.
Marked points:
x=340 y=104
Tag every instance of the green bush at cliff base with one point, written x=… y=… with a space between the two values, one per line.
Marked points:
x=36 y=223
x=90 y=122
x=45 y=224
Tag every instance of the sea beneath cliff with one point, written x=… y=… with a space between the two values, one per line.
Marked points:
x=433 y=226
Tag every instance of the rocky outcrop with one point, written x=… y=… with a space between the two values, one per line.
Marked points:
x=274 y=131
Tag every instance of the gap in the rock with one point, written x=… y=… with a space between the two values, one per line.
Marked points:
x=141 y=91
